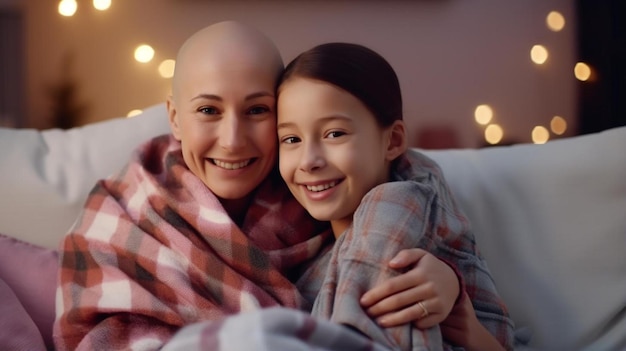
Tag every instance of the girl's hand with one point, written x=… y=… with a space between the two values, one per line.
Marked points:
x=429 y=284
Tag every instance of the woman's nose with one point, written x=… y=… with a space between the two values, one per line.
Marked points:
x=232 y=133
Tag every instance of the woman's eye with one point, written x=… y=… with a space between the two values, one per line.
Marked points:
x=335 y=134
x=257 y=110
x=208 y=110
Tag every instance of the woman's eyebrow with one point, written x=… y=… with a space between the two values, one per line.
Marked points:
x=219 y=98
x=207 y=96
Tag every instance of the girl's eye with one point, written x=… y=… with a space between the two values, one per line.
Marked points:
x=290 y=140
x=208 y=110
x=257 y=110
x=335 y=134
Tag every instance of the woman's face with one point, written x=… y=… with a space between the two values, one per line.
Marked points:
x=331 y=149
x=225 y=118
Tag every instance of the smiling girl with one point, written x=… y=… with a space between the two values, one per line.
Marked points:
x=342 y=140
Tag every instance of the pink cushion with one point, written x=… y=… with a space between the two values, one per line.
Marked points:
x=17 y=330
x=30 y=272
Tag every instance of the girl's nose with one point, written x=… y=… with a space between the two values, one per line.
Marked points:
x=312 y=158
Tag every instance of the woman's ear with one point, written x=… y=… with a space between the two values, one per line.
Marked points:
x=397 y=140
x=173 y=117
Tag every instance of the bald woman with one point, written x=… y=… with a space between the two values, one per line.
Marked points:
x=198 y=227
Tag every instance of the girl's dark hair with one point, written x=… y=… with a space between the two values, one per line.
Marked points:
x=356 y=69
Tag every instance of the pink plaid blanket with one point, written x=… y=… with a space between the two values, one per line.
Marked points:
x=154 y=251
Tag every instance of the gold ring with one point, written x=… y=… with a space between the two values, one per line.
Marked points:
x=425 y=314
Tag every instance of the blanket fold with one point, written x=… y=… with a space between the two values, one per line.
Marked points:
x=154 y=250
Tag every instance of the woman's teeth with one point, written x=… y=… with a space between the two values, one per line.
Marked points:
x=229 y=165
x=321 y=187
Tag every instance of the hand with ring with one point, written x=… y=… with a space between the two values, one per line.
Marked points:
x=424 y=294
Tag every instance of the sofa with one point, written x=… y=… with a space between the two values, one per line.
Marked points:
x=550 y=220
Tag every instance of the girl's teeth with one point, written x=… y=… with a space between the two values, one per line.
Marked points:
x=229 y=165
x=321 y=187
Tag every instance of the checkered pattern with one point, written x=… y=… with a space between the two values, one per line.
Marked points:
x=154 y=250
x=415 y=210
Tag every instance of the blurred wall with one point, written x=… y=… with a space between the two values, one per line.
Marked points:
x=450 y=55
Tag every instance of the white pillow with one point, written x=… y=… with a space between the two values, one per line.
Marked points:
x=46 y=175
x=551 y=221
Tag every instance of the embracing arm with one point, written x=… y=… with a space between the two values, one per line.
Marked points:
x=453 y=242
x=463 y=328
x=426 y=279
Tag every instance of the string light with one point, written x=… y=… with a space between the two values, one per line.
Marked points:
x=483 y=114
x=558 y=125
x=166 y=68
x=582 y=71
x=493 y=134
x=101 y=5
x=555 y=21
x=539 y=54
x=540 y=135
x=144 y=53
x=67 y=8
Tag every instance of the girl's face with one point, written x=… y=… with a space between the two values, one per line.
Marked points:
x=331 y=149
x=225 y=118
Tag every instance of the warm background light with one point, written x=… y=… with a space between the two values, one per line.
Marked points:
x=166 y=68
x=582 y=71
x=67 y=7
x=521 y=93
x=493 y=134
x=133 y=113
x=101 y=4
x=558 y=125
x=144 y=53
x=555 y=21
x=539 y=54
x=540 y=135
x=483 y=114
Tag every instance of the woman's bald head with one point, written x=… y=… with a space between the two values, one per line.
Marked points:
x=229 y=45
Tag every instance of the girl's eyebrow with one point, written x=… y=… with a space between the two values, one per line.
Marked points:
x=323 y=120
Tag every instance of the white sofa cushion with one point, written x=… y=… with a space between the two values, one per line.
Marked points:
x=551 y=219
x=46 y=175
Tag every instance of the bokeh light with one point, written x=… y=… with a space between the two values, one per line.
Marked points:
x=67 y=8
x=483 y=114
x=144 y=53
x=558 y=125
x=555 y=21
x=539 y=54
x=540 y=135
x=493 y=134
x=582 y=71
x=101 y=5
x=166 y=68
